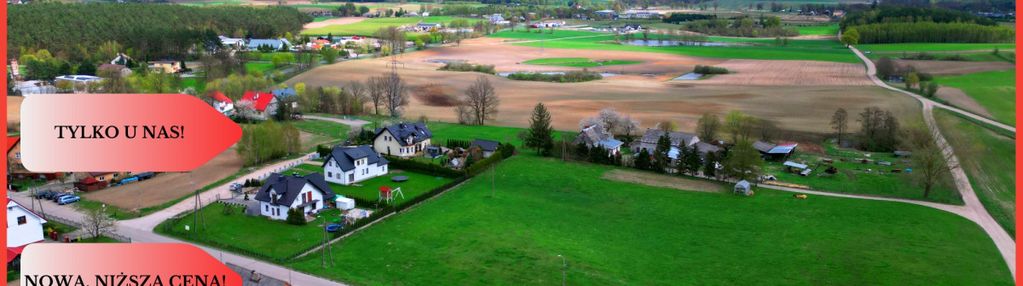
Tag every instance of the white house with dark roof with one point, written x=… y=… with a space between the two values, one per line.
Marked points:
x=23 y=225
x=281 y=193
x=596 y=136
x=350 y=164
x=402 y=140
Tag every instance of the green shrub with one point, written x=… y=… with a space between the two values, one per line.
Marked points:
x=572 y=76
x=296 y=217
x=467 y=67
x=710 y=70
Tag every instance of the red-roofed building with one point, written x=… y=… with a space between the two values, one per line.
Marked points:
x=222 y=103
x=14 y=166
x=264 y=104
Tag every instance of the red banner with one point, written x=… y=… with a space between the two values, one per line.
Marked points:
x=122 y=264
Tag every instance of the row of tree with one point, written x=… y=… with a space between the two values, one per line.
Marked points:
x=764 y=26
x=930 y=32
x=267 y=141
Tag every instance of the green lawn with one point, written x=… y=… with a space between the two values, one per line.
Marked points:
x=255 y=234
x=197 y=83
x=369 y=190
x=935 y=47
x=320 y=127
x=989 y=159
x=614 y=233
x=443 y=131
x=818 y=30
x=370 y=26
x=852 y=176
x=258 y=67
x=578 y=62
x=994 y=90
x=750 y=48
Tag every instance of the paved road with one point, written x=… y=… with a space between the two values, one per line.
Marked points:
x=353 y=123
x=975 y=211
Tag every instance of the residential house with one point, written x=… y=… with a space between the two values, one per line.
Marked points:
x=605 y=14
x=596 y=136
x=165 y=66
x=281 y=193
x=121 y=59
x=402 y=139
x=30 y=87
x=261 y=105
x=286 y=95
x=350 y=164
x=107 y=176
x=548 y=24
x=113 y=70
x=275 y=44
x=14 y=166
x=497 y=19
x=640 y=14
x=222 y=103
x=650 y=138
x=777 y=152
x=232 y=43
x=24 y=226
x=488 y=147
x=426 y=27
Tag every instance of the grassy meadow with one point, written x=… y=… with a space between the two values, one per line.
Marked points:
x=994 y=90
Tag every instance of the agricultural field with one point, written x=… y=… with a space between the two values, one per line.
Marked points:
x=994 y=91
x=651 y=235
x=818 y=30
x=989 y=160
x=578 y=62
x=369 y=190
x=370 y=26
x=935 y=47
x=856 y=177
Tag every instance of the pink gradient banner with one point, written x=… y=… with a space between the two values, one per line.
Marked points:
x=122 y=264
x=121 y=132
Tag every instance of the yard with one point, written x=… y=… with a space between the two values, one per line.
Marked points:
x=989 y=160
x=739 y=48
x=248 y=234
x=369 y=190
x=443 y=131
x=613 y=233
x=853 y=176
x=324 y=128
x=995 y=91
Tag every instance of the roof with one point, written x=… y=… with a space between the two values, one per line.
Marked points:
x=97 y=174
x=762 y=146
x=12 y=203
x=287 y=187
x=742 y=184
x=273 y=43
x=404 y=131
x=783 y=149
x=345 y=156
x=795 y=165
x=486 y=145
x=12 y=141
x=592 y=135
x=610 y=143
x=260 y=100
x=704 y=147
x=219 y=96
x=13 y=252
x=284 y=92
x=89 y=181
x=653 y=135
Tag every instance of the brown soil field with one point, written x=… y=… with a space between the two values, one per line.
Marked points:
x=956 y=67
x=789 y=73
x=656 y=180
x=167 y=187
x=335 y=21
x=804 y=105
x=958 y=98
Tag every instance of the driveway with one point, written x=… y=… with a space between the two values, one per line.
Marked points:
x=353 y=123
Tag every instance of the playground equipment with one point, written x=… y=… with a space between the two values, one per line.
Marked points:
x=387 y=194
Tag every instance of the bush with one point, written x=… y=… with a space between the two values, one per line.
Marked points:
x=296 y=217
x=455 y=143
x=467 y=67
x=323 y=150
x=710 y=70
x=572 y=76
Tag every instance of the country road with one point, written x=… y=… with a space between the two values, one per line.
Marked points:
x=975 y=211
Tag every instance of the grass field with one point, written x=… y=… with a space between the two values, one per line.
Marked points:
x=369 y=190
x=614 y=233
x=370 y=26
x=256 y=234
x=989 y=161
x=995 y=91
x=759 y=49
x=818 y=30
x=578 y=62
x=853 y=177
x=935 y=47
x=443 y=131
x=325 y=128
x=258 y=67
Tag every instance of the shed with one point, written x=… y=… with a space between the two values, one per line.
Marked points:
x=794 y=165
x=743 y=187
x=344 y=203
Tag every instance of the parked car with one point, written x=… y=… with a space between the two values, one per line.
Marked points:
x=42 y=194
x=145 y=175
x=68 y=199
x=236 y=187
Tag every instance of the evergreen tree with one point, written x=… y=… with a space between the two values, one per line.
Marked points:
x=642 y=160
x=661 y=160
x=541 y=135
x=710 y=165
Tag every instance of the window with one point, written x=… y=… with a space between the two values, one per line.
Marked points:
x=17 y=155
x=22 y=220
x=329 y=174
x=267 y=208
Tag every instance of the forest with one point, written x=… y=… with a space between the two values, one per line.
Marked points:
x=930 y=32
x=145 y=31
x=896 y=14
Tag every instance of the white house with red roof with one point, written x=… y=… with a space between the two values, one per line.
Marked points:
x=23 y=226
x=260 y=104
x=222 y=103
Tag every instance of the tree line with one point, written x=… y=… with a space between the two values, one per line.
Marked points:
x=146 y=31
x=931 y=32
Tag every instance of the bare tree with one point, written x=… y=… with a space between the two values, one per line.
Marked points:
x=376 y=87
x=395 y=94
x=481 y=100
x=97 y=221
x=930 y=164
x=629 y=126
x=708 y=125
x=357 y=90
x=840 y=122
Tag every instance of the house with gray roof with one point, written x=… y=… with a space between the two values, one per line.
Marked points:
x=596 y=136
x=402 y=139
x=281 y=193
x=351 y=164
x=276 y=44
x=650 y=138
x=488 y=147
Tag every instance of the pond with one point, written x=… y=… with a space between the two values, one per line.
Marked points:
x=689 y=76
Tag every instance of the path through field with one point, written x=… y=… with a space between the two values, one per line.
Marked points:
x=975 y=211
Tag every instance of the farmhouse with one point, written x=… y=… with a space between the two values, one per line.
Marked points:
x=281 y=193
x=650 y=138
x=23 y=226
x=595 y=135
x=402 y=139
x=222 y=103
x=261 y=105
x=350 y=164
x=488 y=147
x=772 y=151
